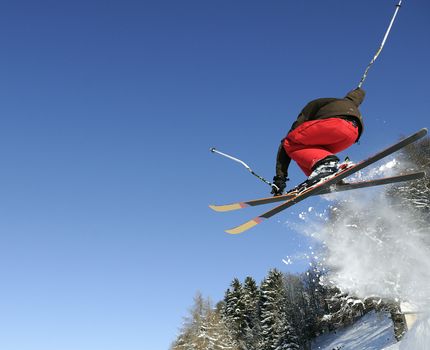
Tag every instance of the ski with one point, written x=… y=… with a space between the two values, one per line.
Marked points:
x=339 y=187
x=327 y=183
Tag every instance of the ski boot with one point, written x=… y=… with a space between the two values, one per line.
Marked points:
x=327 y=167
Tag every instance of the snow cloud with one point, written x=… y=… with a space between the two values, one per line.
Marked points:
x=377 y=250
x=373 y=249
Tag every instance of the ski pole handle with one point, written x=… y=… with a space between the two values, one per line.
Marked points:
x=214 y=150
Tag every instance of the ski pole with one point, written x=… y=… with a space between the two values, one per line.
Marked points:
x=214 y=150
x=381 y=46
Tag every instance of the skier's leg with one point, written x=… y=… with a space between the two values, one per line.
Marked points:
x=305 y=157
x=315 y=140
x=350 y=136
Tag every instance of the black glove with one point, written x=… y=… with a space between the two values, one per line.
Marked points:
x=281 y=183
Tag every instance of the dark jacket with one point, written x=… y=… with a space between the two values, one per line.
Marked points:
x=323 y=108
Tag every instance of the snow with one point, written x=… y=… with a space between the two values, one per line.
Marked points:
x=384 y=254
x=374 y=331
x=418 y=338
x=287 y=261
x=386 y=257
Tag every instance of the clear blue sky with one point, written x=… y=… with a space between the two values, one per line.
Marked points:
x=108 y=110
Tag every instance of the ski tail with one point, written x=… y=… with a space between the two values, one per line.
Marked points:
x=372 y=183
x=228 y=207
x=245 y=226
x=252 y=203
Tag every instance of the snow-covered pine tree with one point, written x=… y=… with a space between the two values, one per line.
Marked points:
x=305 y=303
x=251 y=296
x=234 y=313
x=296 y=304
x=315 y=295
x=192 y=327
x=287 y=338
x=344 y=309
x=276 y=331
x=203 y=329
x=217 y=335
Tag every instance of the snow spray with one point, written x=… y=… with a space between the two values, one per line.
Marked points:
x=372 y=249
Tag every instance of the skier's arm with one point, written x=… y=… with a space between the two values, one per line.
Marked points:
x=282 y=164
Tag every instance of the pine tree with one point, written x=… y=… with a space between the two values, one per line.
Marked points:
x=315 y=295
x=234 y=313
x=204 y=329
x=296 y=304
x=218 y=336
x=276 y=330
x=251 y=296
x=287 y=339
x=344 y=309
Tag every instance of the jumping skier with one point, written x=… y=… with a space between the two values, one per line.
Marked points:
x=325 y=126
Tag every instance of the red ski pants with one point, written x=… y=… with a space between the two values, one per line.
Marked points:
x=316 y=139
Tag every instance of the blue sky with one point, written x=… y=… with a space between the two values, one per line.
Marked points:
x=108 y=112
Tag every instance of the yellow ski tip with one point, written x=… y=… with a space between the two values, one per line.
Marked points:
x=227 y=207
x=244 y=227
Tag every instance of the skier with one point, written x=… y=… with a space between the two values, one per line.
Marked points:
x=325 y=126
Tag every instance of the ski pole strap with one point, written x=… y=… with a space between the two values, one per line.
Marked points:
x=381 y=46
x=214 y=150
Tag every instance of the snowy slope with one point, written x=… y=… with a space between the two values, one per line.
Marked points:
x=417 y=338
x=374 y=331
